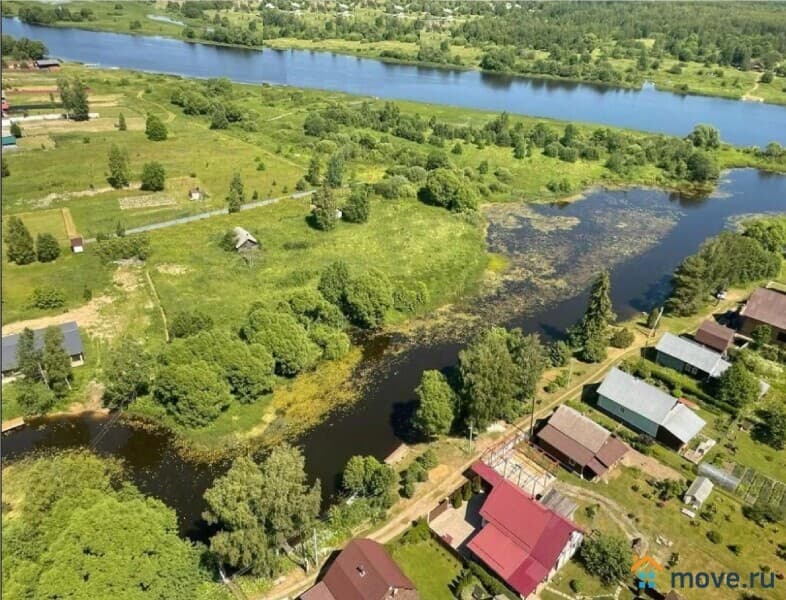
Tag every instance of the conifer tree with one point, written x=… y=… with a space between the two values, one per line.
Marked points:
x=56 y=362
x=591 y=333
x=19 y=242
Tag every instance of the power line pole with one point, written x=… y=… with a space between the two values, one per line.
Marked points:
x=470 y=437
x=316 y=550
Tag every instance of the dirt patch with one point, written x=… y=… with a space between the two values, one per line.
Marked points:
x=146 y=201
x=649 y=465
x=172 y=269
x=86 y=316
x=47 y=200
x=63 y=125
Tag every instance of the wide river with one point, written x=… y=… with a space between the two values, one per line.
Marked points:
x=740 y=123
x=555 y=250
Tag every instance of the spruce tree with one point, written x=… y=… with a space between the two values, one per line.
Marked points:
x=56 y=362
x=313 y=176
x=46 y=247
x=118 y=168
x=28 y=359
x=325 y=211
x=335 y=171
x=236 y=196
x=591 y=333
x=19 y=242
x=121 y=122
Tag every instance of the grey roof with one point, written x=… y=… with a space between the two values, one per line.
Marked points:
x=683 y=423
x=72 y=342
x=700 y=489
x=242 y=236
x=636 y=395
x=693 y=354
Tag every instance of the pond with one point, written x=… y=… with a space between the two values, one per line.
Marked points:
x=648 y=109
x=555 y=250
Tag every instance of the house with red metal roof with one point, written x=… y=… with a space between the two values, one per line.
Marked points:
x=363 y=571
x=521 y=540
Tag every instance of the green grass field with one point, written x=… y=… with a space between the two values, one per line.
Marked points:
x=430 y=567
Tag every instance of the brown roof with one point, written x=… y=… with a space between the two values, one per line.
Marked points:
x=613 y=450
x=566 y=445
x=363 y=571
x=714 y=335
x=767 y=306
x=580 y=428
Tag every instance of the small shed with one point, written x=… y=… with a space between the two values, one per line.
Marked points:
x=698 y=492
x=9 y=140
x=244 y=241
x=715 y=336
x=77 y=245
x=196 y=194
x=47 y=63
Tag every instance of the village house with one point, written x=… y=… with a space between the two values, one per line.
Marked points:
x=715 y=336
x=698 y=492
x=686 y=356
x=765 y=307
x=579 y=443
x=77 y=245
x=648 y=409
x=244 y=241
x=521 y=540
x=72 y=343
x=363 y=571
x=47 y=63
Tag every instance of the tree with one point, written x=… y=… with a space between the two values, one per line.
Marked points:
x=19 y=242
x=607 y=557
x=259 y=507
x=325 y=214
x=236 y=197
x=313 y=175
x=186 y=323
x=15 y=129
x=46 y=297
x=153 y=177
x=284 y=337
x=367 y=299
x=447 y=189
x=118 y=168
x=702 y=167
x=591 y=332
x=6 y=171
x=46 y=247
x=737 y=385
x=335 y=170
x=35 y=398
x=499 y=369
x=155 y=130
x=121 y=122
x=333 y=282
x=193 y=393
x=127 y=373
x=358 y=207
x=219 y=119
x=56 y=362
x=761 y=335
x=28 y=359
x=434 y=415
x=365 y=476
x=705 y=136
x=73 y=95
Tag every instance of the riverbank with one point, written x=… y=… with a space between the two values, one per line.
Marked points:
x=679 y=77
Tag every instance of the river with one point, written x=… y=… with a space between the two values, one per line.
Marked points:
x=554 y=249
x=740 y=123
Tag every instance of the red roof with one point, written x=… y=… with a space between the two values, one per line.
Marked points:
x=522 y=539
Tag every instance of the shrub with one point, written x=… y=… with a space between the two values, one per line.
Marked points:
x=155 y=130
x=575 y=586
x=46 y=247
x=47 y=297
x=622 y=338
x=714 y=536
x=456 y=500
x=153 y=177
x=188 y=323
x=118 y=248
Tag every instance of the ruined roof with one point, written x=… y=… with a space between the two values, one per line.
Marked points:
x=767 y=306
x=242 y=236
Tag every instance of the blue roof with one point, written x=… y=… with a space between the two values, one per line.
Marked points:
x=9 y=140
x=72 y=342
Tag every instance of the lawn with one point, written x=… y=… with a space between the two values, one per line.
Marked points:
x=430 y=567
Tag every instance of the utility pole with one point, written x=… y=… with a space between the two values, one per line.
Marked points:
x=316 y=550
x=470 y=437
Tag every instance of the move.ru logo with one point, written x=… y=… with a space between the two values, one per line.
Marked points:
x=645 y=568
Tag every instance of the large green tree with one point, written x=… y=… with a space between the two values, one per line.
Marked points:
x=368 y=298
x=127 y=373
x=46 y=247
x=28 y=359
x=259 y=507
x=772 y=428
x=365 y=476
x=195 y=394
x=334 y=175
x=155 y=130
x=333 y=282
x=19 y=242
x=447 y=189
x=73 y=95
x=153 y=177
x=737 y=385
x=34 y=398
x=325 y=214
x=56 y=362
x=607 y=557
x=435 y=412
x=358 y=207
x=119 y=176
x=236 y=197
x=284 y=337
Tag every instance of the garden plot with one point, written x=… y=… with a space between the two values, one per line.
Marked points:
x=756 y=488
x=146 y=201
